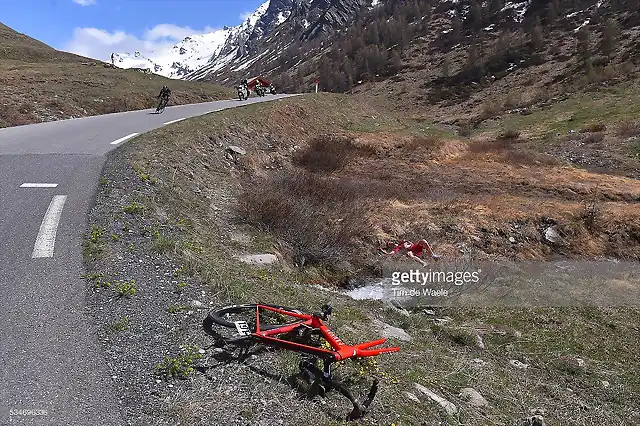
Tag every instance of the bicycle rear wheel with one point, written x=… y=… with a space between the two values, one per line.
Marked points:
x=231 y=316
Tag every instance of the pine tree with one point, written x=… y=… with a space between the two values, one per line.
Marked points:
x=609 y=36
x=495 y=6
x=373 y=34
x=474 y=66
x=456 y=25
x=536 y=38
x=476 y=15
x=582 y=48
x=552 y=13
x=446 y=67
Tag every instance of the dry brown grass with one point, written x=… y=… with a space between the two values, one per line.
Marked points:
x=594 y=128
x=329 y=153
x=593 y=138
x=628 y=129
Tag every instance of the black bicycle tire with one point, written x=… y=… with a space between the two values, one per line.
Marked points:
x=216 y=316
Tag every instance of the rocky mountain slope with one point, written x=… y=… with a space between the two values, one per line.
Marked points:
x=234 y=49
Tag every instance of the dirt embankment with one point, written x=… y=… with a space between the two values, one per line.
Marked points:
x=178 y=206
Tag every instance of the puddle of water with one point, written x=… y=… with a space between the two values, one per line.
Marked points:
x=375 y=291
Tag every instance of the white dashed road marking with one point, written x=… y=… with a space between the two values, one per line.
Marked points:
x=38 y=185
x=174 y=121
x=47 y=235
x=124 y=138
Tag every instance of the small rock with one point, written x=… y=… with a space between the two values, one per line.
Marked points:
x=196 y=304
x=237 y=149
x=412 y=397
x=473 y=397
x=158 y=381
x=479 y=342
x=517 y=364
x=259 y=259
x=572 y=363
x=428 y=312
x=201 y=351
x=536 y=420
x=605 y=384
x=512 y=240
x=551 y=235
x=391 y=331
x=448 y=406
x=440 y=321
x=393 y=304
x=478 y=362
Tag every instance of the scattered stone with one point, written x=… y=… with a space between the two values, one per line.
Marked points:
x=479 y=341
x=605 y=384
x=479 y=362
x=396 y=306
x=412 y=397
x=448 y=406
x=512 y=240
x=259 y=259
x=196 y=304
x=428 y=312
x=391 y=331
x=517 y=364
x=441 y=321
x=536 y=420
x=237 y=150
x=473 y=397
x=572 y=363
x=351 y=283
x=345 y=266
x=551 y=235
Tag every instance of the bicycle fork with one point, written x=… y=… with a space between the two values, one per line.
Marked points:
x=323 y=382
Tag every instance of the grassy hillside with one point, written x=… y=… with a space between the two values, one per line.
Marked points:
x=323 y=178
x=39 y=83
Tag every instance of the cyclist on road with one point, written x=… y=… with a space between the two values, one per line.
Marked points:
x=165 y=93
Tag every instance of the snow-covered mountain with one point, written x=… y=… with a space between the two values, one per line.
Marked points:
x=234 y=49
x=194 y=51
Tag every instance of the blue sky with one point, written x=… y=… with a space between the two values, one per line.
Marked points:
x=95 y=28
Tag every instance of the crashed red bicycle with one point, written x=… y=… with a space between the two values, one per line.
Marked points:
x=293 y=330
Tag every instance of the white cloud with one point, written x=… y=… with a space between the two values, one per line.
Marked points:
x=85 y=2
x=99 y=44
x=245 y=15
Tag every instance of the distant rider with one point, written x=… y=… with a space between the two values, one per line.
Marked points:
x=165 y=93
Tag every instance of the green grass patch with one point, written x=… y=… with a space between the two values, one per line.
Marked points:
x=125 y=288
x=180 y=366
x=133 y=208
x=121 y=325
x=93 y=246
x=162 y=243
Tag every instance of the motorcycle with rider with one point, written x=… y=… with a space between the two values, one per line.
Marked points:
x=243 y=90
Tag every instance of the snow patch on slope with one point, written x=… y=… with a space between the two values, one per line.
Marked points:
x=194 y=52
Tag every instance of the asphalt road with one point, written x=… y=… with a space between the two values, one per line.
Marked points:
x=51 y=369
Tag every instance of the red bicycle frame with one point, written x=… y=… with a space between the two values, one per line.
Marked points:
x=341 y=350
